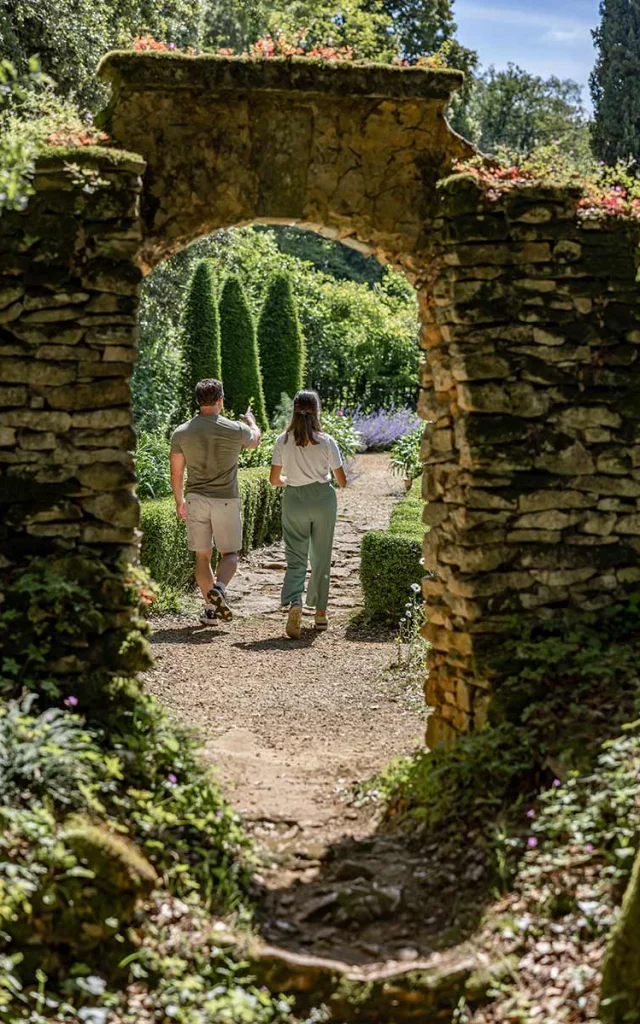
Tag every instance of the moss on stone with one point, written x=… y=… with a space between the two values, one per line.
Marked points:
x=620 y=992
x=54 y=158
x=160 y=69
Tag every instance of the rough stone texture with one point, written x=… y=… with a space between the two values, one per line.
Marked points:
x=529 y=315
x=531 y=379
x=67 y=480
x=353 y=151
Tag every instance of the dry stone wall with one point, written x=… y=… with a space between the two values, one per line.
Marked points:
x=530 y=330
x=68 y=303
x=532 y=386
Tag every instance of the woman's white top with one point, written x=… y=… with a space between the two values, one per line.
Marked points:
x=308 y=464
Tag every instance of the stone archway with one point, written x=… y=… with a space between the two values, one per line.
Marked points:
x=529 y=324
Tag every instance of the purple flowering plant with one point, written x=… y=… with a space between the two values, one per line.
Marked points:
x=382 y=428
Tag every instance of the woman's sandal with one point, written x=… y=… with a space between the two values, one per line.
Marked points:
x=321 y=621
x=294 y=622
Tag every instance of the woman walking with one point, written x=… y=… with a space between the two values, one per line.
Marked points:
x=303 y=459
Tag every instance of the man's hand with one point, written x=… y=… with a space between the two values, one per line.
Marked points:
x=256 y=435
x=249 y=418
x=181 y=510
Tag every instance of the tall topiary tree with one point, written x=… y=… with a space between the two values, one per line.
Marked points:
x=615 y=81
x=241 y=374
x=280 y=342
x=200 y=336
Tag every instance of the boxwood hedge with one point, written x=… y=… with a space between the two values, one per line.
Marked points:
x=390 y=560
x=164 y=552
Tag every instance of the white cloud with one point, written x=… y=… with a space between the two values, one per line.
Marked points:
x=558 y=29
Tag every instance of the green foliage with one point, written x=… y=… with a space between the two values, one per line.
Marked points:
x=343 y=432
x=18 y=142
x=241 y=374
x=471 y=782
x=164 y=552
x=53 y=626
x=200 y=337
x=70 y=38
x=50 y=755
x=360 y=340
x=280 y=343
x=615 y=82
x=391 y=562
x=518 y=111
x=152 y=466
x=406 y=459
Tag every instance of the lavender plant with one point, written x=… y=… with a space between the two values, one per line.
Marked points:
x=380 y=430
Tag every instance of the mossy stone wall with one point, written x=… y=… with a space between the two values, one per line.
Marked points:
x=531 y=380
x=530 y=331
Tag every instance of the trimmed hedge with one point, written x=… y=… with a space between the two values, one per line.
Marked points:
x=280 y=343
x=200 y=337
x=390 y=561
x=164 y=552
x=241 y=374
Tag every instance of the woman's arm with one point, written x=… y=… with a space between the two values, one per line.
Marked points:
x=340 y=476
x=275 y=478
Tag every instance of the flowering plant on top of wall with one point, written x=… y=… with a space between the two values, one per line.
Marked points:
x=606 y=191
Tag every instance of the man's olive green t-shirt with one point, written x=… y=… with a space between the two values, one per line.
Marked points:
x=211 y=445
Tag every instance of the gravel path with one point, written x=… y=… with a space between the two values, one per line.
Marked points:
x=287 y=722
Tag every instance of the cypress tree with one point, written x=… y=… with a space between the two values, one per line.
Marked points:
x=615 y=82
x=241 y=374
x=200 y=337
x=280 y=342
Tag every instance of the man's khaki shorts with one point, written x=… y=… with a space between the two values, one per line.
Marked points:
x=214 y=523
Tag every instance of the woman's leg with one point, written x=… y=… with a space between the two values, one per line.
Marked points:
x=324 y=513
x=296 y=533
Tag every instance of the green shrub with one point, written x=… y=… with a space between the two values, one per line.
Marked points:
x=164 y=551
x=241 y=374
x=280 y=343
x=200 y=337
x=390 y=567
x=406 y=459
x=152 y=466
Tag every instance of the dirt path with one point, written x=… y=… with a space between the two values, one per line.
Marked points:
x=291 y=725
x=288 y=723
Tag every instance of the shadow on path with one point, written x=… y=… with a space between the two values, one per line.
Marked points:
x=191 y=635
x=279 y=643
x=376 y=898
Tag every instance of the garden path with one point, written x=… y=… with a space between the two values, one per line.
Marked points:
x=288 y=722
x=292 y=725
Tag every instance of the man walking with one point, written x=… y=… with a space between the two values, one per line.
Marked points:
x=208 y=447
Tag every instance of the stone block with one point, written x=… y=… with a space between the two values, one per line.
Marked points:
x=573 y=460
x=83 y=396
x=628 y=525
x=38 y=419
x=7 y=437
x=118 y=508
x=37 y=440
x=549 y=519
x=102 y=419
x=13 y=396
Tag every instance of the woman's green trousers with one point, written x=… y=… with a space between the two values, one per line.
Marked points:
x=308 y=524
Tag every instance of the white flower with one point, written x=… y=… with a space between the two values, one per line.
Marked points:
x=415 y=587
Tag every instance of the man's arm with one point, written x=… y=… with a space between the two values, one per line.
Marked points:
x=178 y=463
x=256 y=434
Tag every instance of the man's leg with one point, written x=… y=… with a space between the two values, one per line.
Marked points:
x=226 y=568
x=204 y=572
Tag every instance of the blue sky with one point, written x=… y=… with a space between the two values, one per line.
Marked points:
x=546 y=37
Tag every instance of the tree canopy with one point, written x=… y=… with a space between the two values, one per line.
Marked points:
x=520 y=111
x=615 y=82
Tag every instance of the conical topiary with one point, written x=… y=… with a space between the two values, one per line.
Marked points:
x=200 y=337
x=280 y=343
x=241 y=374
